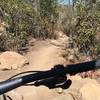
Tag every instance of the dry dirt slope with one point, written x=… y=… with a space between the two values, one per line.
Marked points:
x=44 y=55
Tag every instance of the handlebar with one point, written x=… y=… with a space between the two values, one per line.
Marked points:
x=58 y=70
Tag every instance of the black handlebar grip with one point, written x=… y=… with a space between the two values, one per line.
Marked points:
x=83 y=67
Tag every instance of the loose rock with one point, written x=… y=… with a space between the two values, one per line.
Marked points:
x=12 y=60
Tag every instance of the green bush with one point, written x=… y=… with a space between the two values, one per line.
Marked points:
x=19 y=16
x=86 y=29
x=24 y=21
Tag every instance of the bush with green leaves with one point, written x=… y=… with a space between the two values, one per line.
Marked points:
x=18 y=15
x=24 y=20
x=47 y=17
x=87 y=28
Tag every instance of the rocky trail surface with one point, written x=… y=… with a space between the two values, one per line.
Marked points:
x=43 y=55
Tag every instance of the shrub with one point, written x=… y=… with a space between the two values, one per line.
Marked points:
x=24 y=21
x=86 y=29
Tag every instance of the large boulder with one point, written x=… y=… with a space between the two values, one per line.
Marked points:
x=12 y=60
x=84 y=89
x=90 y=91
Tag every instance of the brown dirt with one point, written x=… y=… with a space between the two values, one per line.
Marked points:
x=42 y=56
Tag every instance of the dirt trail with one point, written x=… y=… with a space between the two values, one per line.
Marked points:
x=44 y=56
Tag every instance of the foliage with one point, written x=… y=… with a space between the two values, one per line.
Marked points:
x=47 y=16
x=87 y=28
x=17 y=15
x=65 y=18
x=23 y=20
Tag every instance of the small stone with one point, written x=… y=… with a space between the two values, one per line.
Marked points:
x=14 y=66
x=59 y=90
x=71 y=58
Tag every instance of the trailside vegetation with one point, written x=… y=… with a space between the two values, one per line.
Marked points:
x=79 y=19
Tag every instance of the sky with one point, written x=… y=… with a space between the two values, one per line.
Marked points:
x=64 y=1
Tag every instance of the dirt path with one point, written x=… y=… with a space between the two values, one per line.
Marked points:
x=44 y=56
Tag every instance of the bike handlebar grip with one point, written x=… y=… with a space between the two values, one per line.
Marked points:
x=97 y=64
x=8 y=85
x=82 y=67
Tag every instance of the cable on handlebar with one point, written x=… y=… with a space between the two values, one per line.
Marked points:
x=22 y=73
